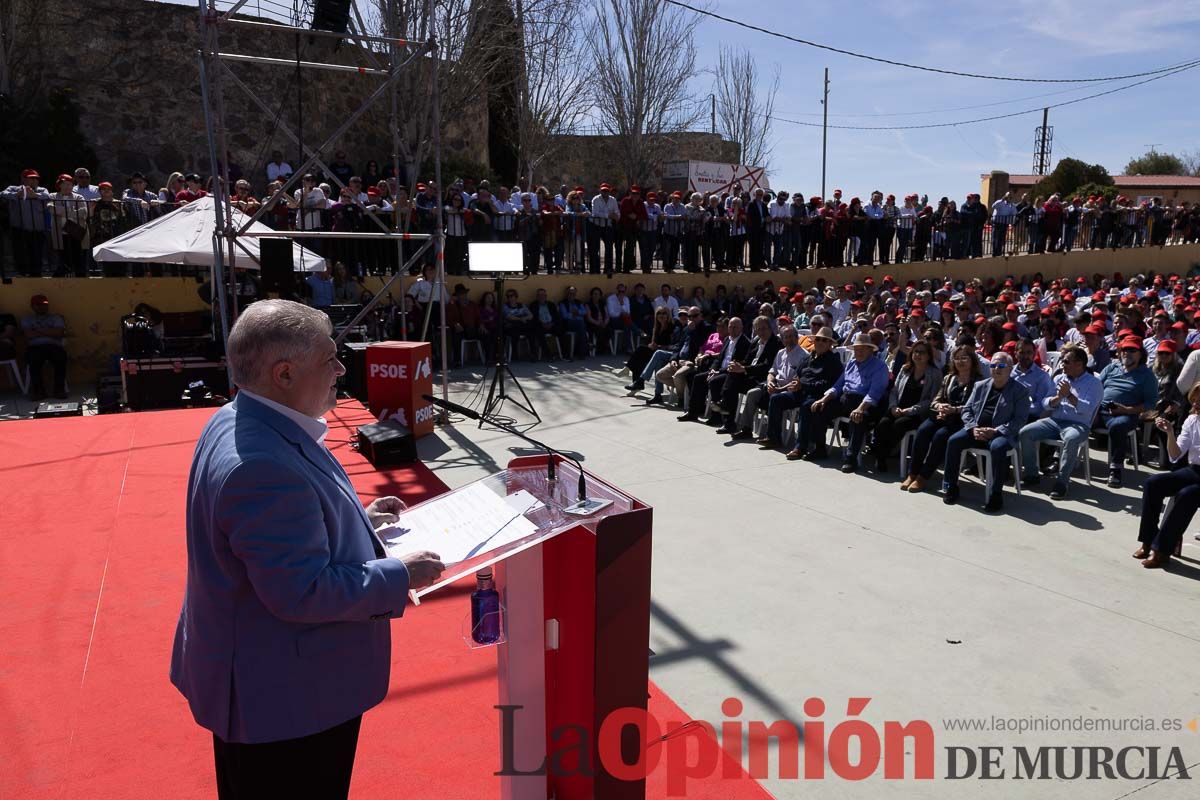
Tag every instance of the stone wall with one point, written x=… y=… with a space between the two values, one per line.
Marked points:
x=588 y=160
x=132 y=67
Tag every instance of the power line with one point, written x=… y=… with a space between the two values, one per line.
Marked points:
x=1068 y=90
x=830 y=48
x=1176 y=71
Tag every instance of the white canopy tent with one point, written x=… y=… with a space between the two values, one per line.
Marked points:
x=185 y=236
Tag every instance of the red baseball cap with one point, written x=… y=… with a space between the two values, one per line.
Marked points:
x=1167 y=346
x=1099 y=297
x=39 y=300
x=1130 y=343
x=1011 y=307
x=30 y=173
x=1179 y=326
x=1096 y=328
x=1009 y=326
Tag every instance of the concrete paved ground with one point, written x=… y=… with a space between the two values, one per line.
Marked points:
x=775 y=582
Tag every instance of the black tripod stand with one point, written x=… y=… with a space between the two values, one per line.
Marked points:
x=498 y=393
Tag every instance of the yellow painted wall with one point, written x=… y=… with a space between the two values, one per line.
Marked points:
x=93 y=307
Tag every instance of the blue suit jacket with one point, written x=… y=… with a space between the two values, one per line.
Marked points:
x=284 y=630
x=1012 y=409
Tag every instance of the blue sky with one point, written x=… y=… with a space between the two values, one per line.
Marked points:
x=1029 y=38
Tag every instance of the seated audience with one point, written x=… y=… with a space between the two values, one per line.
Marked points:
x=745 y=376
x=1130 y=388
x=597 y=318
x=992 y=418
x=462 y=318
x=945 y=419
x=44 y=333
x=1159 y=540
x=683 y=357
x=859 y=394
x=1072 y=406
x=781 y=377
x=660 y=339
x=908 y=403
x=545 y=324
x=518 y=321
x=573 y=313
x=708 y=384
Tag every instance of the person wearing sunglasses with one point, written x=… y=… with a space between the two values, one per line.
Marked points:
x=1130 y=388
x=992 y=417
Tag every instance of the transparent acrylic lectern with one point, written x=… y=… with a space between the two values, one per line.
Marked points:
x=575 y=594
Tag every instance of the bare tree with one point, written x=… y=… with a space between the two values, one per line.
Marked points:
x=550 y=90
x=641 y=55
x=743 y=112
x=1191 y=162
x=465 y=57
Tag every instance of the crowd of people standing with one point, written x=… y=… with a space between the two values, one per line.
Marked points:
x=575 y=230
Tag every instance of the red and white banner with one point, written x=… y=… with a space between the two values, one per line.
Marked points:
x=708 y=177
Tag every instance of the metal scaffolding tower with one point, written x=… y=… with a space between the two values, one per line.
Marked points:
x=401 y=55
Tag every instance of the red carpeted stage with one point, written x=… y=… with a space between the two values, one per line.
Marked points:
x=92 y=564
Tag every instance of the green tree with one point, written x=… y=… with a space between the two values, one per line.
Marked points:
x=1155 y=163
x=1107 y=191
x=1068 y=176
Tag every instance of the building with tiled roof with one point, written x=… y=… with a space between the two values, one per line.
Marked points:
x=1171 y=188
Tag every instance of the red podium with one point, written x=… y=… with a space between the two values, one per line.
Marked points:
x=398 y=373
x=575 y=598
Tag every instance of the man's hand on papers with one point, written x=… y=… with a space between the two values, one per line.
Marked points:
x=424 y=568
x=384 y=511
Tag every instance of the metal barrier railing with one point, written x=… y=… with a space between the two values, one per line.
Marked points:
x=53 y=236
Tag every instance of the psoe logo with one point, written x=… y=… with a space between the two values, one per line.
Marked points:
x=423 y=414
x=398 y=371
x=399 y=415
x=424 y=368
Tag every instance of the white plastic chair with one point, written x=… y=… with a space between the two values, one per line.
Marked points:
x=1085 y=455
x=632 y=340
x=20 y=378
x=835 y=435
x=462 y=351
x=984 y=466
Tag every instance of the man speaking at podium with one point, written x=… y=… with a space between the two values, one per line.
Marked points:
x=284 y=639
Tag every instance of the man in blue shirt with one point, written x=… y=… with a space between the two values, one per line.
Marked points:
x=320 y=287
x=859 y=393
x=1035 y=379
x=1072 y=405
x=1129 y=389
x=993 y=414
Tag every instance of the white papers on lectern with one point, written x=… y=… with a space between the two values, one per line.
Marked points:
x=461 y=525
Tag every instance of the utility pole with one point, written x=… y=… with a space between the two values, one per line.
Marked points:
x=1042 y=139
x=713 y=97
x=824 y=131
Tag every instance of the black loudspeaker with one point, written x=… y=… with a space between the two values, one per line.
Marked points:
x=278 y=272
x=331 y=15
x=354 y=359
x=387 y=443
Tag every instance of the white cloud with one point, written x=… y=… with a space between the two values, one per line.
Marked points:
x=1105 y=27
